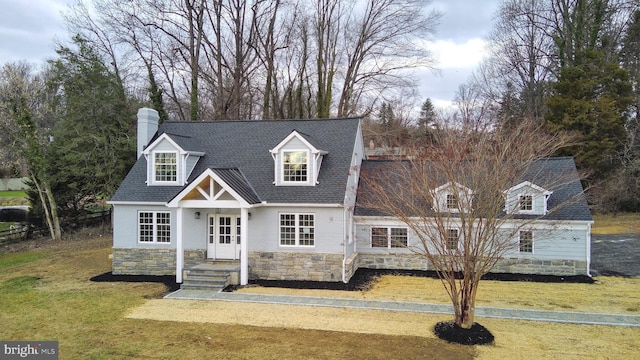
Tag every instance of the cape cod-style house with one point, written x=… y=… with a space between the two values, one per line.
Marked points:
x=276 y=199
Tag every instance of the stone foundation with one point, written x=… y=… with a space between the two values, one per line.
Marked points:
x=318 y=267
x=295 y=266
x=514 y=266
x=392 y=261
x=542 y=267
x=148 y=261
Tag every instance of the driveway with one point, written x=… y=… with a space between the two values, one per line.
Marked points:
x=615 y=255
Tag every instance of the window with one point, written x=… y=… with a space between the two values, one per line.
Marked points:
x=297 y=229
x=294 y=166
x=452 y=239
x=165 y=166
x=452 y=201
x=526 y=241
x=383 y=237
x=526 y=202
x=154 y=226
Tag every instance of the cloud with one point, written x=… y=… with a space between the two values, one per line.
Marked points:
x=452 y=55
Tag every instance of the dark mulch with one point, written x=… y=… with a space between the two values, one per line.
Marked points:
x=168 y=280
x=476 y=335
x=362 y=280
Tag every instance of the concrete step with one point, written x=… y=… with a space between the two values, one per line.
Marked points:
x=205 y=278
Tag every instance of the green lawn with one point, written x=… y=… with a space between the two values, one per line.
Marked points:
x=13 y=194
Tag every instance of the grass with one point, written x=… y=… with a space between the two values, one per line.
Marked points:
x=51 y=298
x=13 y=194
x=610 y=224
x=46 y=295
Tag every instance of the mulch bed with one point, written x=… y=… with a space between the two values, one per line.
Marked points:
x=362 y=280
x=476 y=335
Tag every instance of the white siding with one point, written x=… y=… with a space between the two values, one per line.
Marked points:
x=264 y=229
x=550 y=242
x=125 y=226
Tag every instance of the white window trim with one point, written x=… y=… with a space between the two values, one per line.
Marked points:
x=389 y=247
x=153 y=168
x=532 y=242
x=447 y=248
x=533 y=204
x=310 y=168
x=154 y=227
x=297 y=230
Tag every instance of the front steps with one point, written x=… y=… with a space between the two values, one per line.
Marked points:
x=211 y=276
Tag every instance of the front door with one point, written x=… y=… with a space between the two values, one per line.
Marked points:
x=223 y=237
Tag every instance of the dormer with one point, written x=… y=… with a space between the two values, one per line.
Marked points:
x=527 y=198
x=453 y=197
x=297 y=161
x=168 y=164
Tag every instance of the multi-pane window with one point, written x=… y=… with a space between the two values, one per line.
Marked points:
x=526 y=241
x=294 y=166
x=452 y=201
x=379 y=237
x=154 y=226
x=526 y=202
x=166 y=167
x=297 y=229
x=452 y=239
x=388 y=237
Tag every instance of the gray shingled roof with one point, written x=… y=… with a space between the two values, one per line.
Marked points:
x=566 y=203
x=244 y=146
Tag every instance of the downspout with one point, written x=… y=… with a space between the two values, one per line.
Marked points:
x=179 y=248
x=589 y=249
x=345 y=242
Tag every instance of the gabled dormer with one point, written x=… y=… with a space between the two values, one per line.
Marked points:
x=297 y=161
x=169 y=164
x=452 y=197
x=527 y=198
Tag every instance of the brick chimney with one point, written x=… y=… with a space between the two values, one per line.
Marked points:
x=147 y=127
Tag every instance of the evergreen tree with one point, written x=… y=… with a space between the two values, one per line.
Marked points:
x=592 y=99
x=426 y=121
x=94 y=142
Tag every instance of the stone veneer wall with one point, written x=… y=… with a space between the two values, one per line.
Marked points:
x=149 y=261
x=542 y=267
x=516 y=266
x=295 y=266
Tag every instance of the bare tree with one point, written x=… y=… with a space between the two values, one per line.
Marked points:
x=23 y=99
x=451 y=196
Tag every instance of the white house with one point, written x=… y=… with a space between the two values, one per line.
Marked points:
x=276 y=199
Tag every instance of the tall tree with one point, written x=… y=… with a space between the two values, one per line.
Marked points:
x=592 y=99
x=93 y=144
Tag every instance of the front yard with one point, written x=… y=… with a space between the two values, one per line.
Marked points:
x=46 y=295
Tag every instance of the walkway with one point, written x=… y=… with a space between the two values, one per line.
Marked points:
x=500 y=313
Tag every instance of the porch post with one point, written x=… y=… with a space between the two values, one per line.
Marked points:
x=244 y=256
x=179 y=250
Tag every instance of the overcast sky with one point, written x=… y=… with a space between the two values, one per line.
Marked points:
x=28 y=29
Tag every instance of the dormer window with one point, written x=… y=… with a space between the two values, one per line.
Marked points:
x=295 y=165
x=168 y=163
x=297 y=161
x=452 y=201
x=165 y=166
x=527 y=198
x=526 y=202
x=453 y=197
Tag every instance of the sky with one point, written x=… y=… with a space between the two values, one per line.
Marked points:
x=29 y=29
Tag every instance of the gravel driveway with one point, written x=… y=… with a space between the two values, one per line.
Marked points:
x=615 y=255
